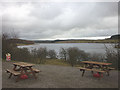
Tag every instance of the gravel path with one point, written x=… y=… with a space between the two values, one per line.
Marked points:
x=53 y=76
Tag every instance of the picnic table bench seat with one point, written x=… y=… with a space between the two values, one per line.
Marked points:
x=96 y=70
x=36 y=70
x=16 y=73
x=110 y=68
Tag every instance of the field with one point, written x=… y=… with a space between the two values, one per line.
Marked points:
x=89 y=41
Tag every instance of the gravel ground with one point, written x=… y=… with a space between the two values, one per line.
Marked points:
x=53 y=76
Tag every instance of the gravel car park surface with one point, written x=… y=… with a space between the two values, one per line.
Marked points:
x=54 y=76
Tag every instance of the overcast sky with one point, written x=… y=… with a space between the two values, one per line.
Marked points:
x=54 y=20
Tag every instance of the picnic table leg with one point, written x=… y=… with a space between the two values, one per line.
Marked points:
x=83 y=73
x=14 y=67
x=18 y=78
x=10 y=75
x=92 y=72
x=33 y=73
x=108 y=73
x=26 y=72
x=100 y=75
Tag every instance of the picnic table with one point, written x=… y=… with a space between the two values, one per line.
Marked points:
x=22 y=68
x=93 y=66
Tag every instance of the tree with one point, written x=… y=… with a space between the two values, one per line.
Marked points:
x=7 y=45
x=63 y=54
x=21 y=54
x=112 y=56
x=52 y=54
x=97 y=57
x=41 y=54
x=73 y=55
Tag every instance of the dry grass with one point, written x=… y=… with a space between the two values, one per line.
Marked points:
x=56 y=62
x=89 y=41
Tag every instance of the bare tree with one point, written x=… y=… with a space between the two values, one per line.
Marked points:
x=112 y=55
x=73 y=55
x=14 y=35
x=52 y=54
x=97 y=57
x=63 y=54
x=7 y=44
x=41 y=55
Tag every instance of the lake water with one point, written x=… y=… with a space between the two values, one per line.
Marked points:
x=87 y=47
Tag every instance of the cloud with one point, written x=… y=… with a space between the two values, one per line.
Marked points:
x=61 y=20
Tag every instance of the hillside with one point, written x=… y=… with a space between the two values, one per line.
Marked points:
x=115 y=36
x=89 y=41
x=21 y=42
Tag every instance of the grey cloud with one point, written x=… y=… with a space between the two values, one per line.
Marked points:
x=61 y=20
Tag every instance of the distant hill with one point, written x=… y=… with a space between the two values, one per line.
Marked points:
x=20 y=41
x=44 y=41
x=115 y=36
x=112 y=39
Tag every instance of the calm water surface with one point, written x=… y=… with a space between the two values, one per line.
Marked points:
x=87 y=47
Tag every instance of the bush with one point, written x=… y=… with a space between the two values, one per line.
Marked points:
x=34 y=53
x=63 y=54
x=21 y=54
x=112 y=56
x=97 y=57
x=75 y=55
x=41 y=53
x=7 y=45
x=52 y=54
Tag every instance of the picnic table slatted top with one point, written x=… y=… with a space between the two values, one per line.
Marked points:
x=97 y=63
x=23 y=64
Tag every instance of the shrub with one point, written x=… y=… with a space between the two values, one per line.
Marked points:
x=41 y=54
x=97 y=57
x=21 y=54
x=34 y=53
x=7 y=45
x=75 y=55
x=52 y=54
x=112 y=56
x=63 y=54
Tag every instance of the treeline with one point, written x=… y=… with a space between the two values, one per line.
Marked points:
x=72 y=55
x=79 y=41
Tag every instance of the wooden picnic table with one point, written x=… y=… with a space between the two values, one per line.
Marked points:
x=23 y=64
x=96 y=63
x=100 y=65
x=94 y=66
x=21 y=68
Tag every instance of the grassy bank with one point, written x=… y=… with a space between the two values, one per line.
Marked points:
x=49 y=62
x=20 y=44
x=56 y=62
x=59 y=62
x=89 y=41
